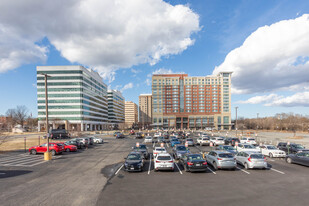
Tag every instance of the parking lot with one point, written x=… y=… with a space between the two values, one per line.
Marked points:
x=279 y=184
x=96 y=177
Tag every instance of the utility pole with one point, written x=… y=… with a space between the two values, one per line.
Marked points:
x=47 y=156
x=257 y=121
x=236 y=121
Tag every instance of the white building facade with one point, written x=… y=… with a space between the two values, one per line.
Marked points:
x=116 y=107
x=77 y=98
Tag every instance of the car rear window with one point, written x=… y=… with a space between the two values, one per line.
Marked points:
x=226 y=155
x=182 y=148
x=164 y=158
x=140 y=147
x=195 y=157
x=133 y=157
x=257 y=156
x=219 y=139
x=160 y=149
x=205 y=138
x=60 y=145
x=249 y=146
x=251 y=139
x=189 y=139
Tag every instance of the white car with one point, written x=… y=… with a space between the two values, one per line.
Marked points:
x=204 y=135
x=248 y=140
x=203 y=141
x=157 y=134
x=163 y=161
x=148 y=139
x=98 y=140
x=272 y=151
x=217 y=141
x=158 y=150
x=247 y=148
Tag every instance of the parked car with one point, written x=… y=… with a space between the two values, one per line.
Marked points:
x=68 y=147
x=132 y=132
x=59 y=134
x=139 y=135
x=158 y=150
x=163 y=161
x=134 y=162
x=74 y=142
x=156 y=135
x=190 y=142
x=248 y=140
x=116 y=133
x=83 y=141
x=227 y=148
x=161 y=140
x=148 y=139
x=54 y=148
x=179 y=151
x=217 y=140
x=175 y=142
x=301 y=158
x=143 y=149
x=251 y=160
x=231 y=141
x=193 y=162
x=98 y=140
x=90 y=140
x=292 y=148
x=247 y=147
x=119 y=136
x=203 y=141
x=272 y=151
x=221 y=160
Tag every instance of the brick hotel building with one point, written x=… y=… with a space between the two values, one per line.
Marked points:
x=183 y=102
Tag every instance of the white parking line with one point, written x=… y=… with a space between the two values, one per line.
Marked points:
x=167 y=145
x=119 y=169
x=277 y=171
x=211 y=171
x=243 y=170
x=154 y=144
x=149 y=163
x=178 y=168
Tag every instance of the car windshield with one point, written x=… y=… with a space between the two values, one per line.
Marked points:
x=182 y=148
x=249 y=146
x=59 y=144
x=271 y=147
x=257 y=156
x=251 y=139
x=164 y=158
x=133 y=157
x=160 y=149
x=190 y=140
x=229 y=148
x=299 y=146
x=195 y=157
x=226 y=155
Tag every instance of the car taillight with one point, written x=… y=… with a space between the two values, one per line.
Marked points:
x=249 y=159
x=219 y=158
x=171 y=161
x=189 y=163
x=157 y=161
x=204 y=163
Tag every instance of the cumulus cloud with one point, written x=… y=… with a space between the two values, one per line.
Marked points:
x=260 y=99
x=300 y=99
x=104 y=35
x=272 y=58
x=127 y=86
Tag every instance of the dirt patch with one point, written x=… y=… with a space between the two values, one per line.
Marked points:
x=296 y=137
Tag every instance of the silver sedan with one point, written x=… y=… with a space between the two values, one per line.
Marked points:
x=251 y=160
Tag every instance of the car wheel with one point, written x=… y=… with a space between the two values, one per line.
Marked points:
x=33 y=152
x=215 y=165
x=271 y=155
x=67 y=150
x=289 y=160
x=246 y=166
x=53 y=152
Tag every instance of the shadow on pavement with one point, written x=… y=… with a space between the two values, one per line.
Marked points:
x=12 y=173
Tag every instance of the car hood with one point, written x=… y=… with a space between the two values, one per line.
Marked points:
x=182 y=152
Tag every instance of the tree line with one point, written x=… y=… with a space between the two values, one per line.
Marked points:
x=282 y=122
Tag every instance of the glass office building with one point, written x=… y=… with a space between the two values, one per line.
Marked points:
x=116 y=107
x=77 y=98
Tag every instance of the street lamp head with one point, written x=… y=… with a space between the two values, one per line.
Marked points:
x=46 y=75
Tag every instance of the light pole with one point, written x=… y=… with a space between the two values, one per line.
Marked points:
x=236 y=121
x=47 y=153
x=257 y=121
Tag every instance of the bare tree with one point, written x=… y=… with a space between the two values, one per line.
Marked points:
x=21 y=114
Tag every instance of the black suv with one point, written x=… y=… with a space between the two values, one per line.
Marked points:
x=292 y=148
x=231 y=141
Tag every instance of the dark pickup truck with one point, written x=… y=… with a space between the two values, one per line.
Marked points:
x=292 y=148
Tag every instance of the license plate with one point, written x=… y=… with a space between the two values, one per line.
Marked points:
x=132 y=168
x=164 y=165
x=198 y=165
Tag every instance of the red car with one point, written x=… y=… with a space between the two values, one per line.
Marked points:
x=68 y=147
x=54 y=148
